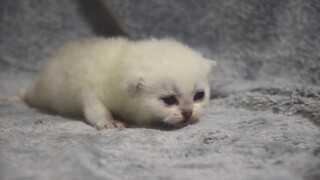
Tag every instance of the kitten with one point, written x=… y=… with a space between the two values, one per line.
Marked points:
x=116 y=81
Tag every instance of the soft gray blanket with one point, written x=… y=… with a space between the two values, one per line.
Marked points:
x=262 y=122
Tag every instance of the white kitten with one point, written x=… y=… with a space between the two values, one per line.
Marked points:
x=137 y=82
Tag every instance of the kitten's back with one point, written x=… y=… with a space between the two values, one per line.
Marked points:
x=77 y=66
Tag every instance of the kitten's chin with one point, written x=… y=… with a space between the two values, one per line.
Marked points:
x=190 y=121
x=166 y=126
x=180 y=122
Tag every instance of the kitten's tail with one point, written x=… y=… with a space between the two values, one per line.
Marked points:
x=17 y=98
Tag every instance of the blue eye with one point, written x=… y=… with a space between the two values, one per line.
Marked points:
x=169 y=100
x=199 y=96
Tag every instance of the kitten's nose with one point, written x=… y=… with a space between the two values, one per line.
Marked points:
x=186 y=114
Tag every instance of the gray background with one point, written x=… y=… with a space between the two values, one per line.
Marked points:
x=262 y=123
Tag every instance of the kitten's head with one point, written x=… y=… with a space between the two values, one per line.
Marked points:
x=172 y=90
x=175 y=104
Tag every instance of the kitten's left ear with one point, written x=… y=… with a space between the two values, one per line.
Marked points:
x=135 y=86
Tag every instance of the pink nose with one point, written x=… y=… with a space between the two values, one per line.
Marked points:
x=186 y=114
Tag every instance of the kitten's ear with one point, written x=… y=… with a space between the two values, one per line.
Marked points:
x=212 y=63
x=135 y=86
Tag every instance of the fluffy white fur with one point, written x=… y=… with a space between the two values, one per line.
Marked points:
x=107 y=80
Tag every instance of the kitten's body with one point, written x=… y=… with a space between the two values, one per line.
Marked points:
x=107 y=78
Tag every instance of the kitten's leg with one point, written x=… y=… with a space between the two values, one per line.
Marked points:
x=98 y=116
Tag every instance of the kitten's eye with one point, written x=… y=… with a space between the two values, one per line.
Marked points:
x=169 y=100
x=199 y=96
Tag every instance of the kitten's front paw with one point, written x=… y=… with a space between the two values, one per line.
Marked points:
x=111 y=125
x=115 y=124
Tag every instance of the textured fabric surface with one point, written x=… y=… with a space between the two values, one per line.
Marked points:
x=262 y=122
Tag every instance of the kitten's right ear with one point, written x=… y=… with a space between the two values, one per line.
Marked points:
x=212 y=63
